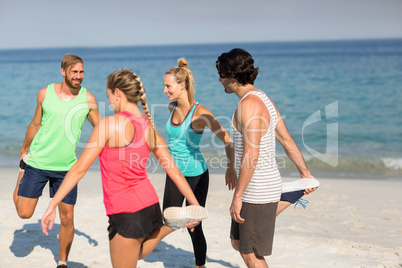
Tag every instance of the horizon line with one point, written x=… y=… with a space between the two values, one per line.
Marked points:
x=206 y=43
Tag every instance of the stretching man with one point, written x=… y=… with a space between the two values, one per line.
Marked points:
x=52 y=137
x=256 y=125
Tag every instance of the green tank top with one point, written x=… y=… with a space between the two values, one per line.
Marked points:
x=54 y=146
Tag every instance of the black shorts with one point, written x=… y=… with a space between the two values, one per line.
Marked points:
x=256 y=233
x=139 y=224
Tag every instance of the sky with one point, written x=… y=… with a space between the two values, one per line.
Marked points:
x=95 y=23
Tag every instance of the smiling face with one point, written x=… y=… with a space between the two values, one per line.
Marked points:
x=173 y=89
x=74 y=75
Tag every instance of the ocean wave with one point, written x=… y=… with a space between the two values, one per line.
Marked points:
x=346 y=166
x=392 y=163
x=351 y=166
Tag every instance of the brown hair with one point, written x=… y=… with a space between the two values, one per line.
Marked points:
x=130 y=83
x=237 y=64
x=183 y=74
x=70 y=60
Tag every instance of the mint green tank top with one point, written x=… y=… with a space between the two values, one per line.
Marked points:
x=184 y=145
x=53 y=147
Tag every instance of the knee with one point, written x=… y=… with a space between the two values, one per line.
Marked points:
x=24 y=214
x=23 y=211
x=253 y=261
x=25 y=207
x=67 y=218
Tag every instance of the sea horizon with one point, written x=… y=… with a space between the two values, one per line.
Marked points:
x=209 y=43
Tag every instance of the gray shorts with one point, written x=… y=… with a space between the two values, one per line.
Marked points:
x=256 y=233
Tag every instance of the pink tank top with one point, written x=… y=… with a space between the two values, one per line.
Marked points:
x=126 y=186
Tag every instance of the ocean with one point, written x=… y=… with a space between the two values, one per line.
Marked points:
x=341 y=100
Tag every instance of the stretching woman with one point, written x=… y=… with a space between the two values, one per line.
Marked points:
x=185 y=127
x=123 y=143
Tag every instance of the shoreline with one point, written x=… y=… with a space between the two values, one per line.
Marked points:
x=347 y=223
x=11 y=163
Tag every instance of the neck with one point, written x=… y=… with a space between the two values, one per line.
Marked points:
x=243 y=90
x=129 y=107
x=183 y=103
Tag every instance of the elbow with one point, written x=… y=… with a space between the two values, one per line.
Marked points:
x=229 y=144
x=226 y=139
x=36 y=126
x=287 y=144
x=79 y=170
x=81 y=173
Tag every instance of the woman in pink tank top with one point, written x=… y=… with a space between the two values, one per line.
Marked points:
x=124 y=142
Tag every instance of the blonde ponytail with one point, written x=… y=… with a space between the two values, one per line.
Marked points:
x=183 y=74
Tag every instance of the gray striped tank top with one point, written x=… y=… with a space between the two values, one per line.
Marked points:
x=266 y=184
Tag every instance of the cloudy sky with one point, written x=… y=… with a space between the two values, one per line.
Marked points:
x=90 y=23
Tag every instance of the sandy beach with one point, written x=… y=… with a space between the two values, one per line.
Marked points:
x=347 y=223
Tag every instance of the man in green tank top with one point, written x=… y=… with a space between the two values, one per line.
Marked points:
x=52 y=137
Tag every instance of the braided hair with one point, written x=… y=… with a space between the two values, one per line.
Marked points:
x=130 y=83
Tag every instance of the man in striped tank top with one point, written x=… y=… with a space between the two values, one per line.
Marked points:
x=256 y=124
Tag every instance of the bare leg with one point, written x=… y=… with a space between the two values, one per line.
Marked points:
x=254 y=261
x=251 y=259
x=235 y=244
x=150 y=242
x=15 y=194
x=66 y=233
x=25 y=206
x=282 y=205
x=124 y=252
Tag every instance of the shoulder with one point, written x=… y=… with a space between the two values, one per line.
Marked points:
x=109 y=123
x=252 y=102
x=42 y=91
x=200 y=110
x=42 y=94
x=90 y=97
x=106 y=127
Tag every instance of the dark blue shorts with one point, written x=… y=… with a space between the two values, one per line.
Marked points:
x=34 y=180
x=292 y=197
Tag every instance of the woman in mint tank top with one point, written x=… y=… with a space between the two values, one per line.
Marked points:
x=185 y=126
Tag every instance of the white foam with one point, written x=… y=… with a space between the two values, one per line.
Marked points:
x=392 y=163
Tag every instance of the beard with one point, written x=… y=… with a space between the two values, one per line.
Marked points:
x=70 y=84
